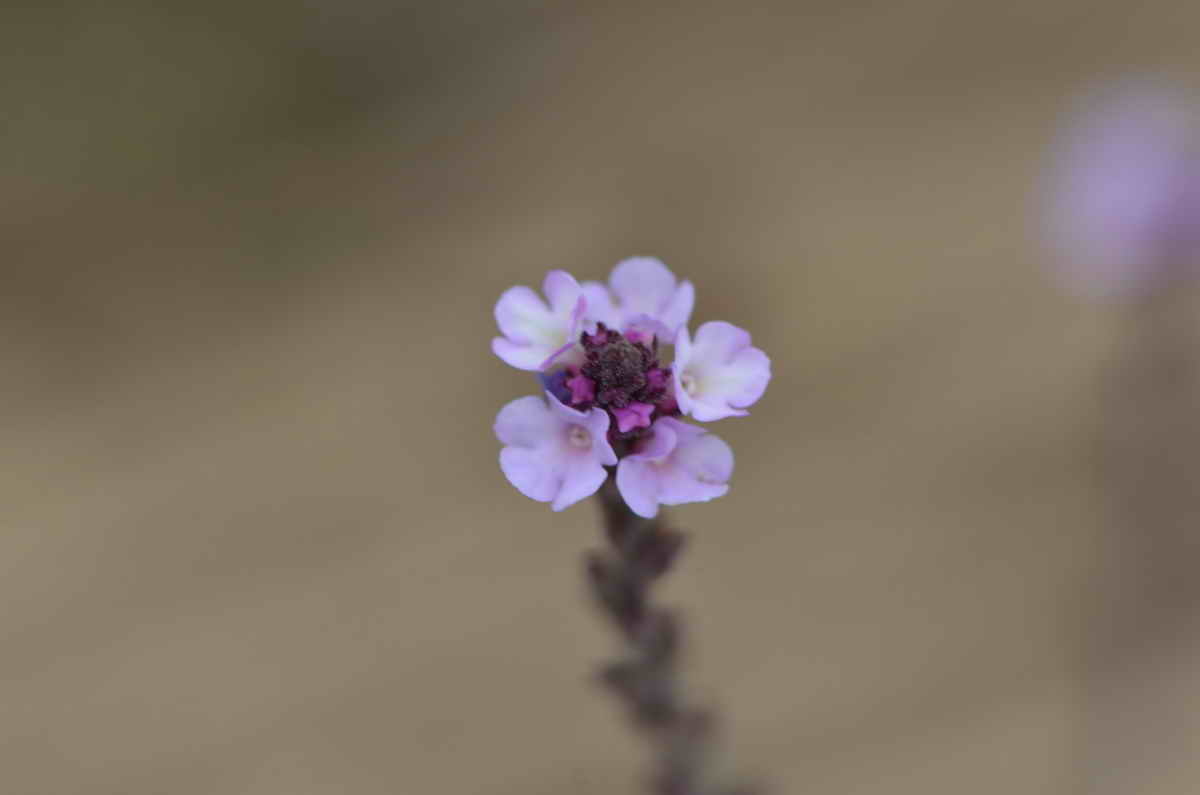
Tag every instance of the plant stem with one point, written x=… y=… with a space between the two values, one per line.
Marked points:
x=647 y=674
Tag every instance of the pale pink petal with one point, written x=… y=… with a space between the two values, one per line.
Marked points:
x=645 y=286
x=683 y=355
x=526 y=422
x=719 y=373
x=679 y=463
x=522 y=357
x=554 y=453
x=699 y=470
x=600 y=306
x=534 y=474
x=522 y=316
x=562 y=291
x=637 y=474
x=638 y=483
x=595 y=421
x=582 y=476
x=534 y=332
x=678 y=309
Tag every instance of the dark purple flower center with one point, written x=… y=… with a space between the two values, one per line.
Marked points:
x=623 y=377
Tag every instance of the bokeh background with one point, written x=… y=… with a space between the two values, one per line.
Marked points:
x=253 y=535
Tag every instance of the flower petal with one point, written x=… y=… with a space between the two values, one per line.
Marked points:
x=637 y=481
x=698 y=469
x=719 y=374
x=526 y=422
x=523 y=317
x=522 y=357
x=683 y=356
x=543 y=459
x=582 y=476
x=594 y=420
x=536 y=333
x=678 y=309
x=645 y=286
x=679 y=463
x=600 y=306
x=638 y=472
x=562 y=291
x=532 y=472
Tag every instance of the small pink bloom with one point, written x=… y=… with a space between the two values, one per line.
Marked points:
x=677 y=463
x=635 y=415
x=553 y=453
x=641 y=292
x=536 y=332
x=583 y=389
x=719 y=374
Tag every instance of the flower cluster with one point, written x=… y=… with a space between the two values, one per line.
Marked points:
x=610 y=396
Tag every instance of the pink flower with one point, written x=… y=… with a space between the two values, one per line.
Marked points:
x=553 y=453
x=642 y=293
x=719 y=374
x=609 y=398
x=677 y=463
x=534 y=332
x=635 y=415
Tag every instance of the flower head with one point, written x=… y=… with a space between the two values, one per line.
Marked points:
x=676 y=463
x=553 y=453
x=609 y=396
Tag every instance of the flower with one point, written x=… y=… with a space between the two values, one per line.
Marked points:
x=719 y=374
x=642 y=292
x=677 y=463
x=553 y=452
x=610 y=401
x=535 y=333
x=1124 y=194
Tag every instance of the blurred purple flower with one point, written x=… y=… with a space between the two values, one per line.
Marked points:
x=1124 y=204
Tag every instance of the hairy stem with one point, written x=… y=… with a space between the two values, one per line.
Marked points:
x=646 y=677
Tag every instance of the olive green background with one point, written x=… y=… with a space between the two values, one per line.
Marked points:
x=253 y=535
